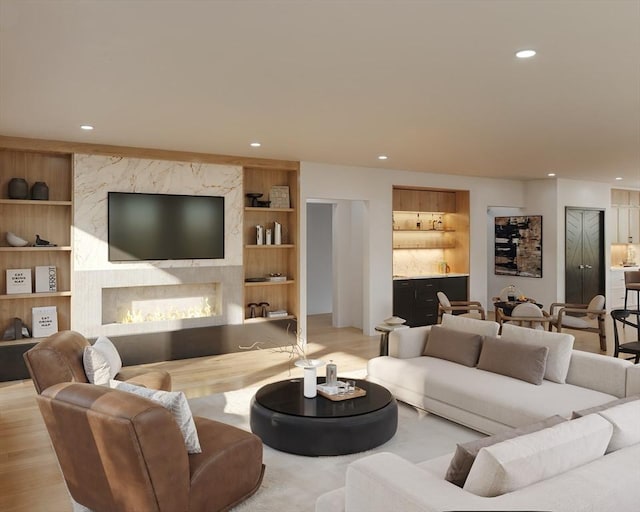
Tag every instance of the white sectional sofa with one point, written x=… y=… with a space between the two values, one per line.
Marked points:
x=492 y=402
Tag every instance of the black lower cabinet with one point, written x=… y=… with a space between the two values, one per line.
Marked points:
x=416 y=300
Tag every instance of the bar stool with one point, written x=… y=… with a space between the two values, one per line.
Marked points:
x=632 y=284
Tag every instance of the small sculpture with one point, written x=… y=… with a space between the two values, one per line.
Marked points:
x=264 y=306
x=254 y=198
x=252 y=309
x=40 y=242
x=16 y=331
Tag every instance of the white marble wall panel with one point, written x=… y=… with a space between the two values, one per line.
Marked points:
x=416 y=262
x=94 y=177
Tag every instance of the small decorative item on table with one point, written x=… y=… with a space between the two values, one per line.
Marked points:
x=343 y=390
x=310 y=367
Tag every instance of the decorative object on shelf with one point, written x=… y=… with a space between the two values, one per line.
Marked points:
x=40 y=191
x=518 y=246
x=46 y=279
x=264 y=204
x=252 y=309
x=18 y=188
x=259 y=235
x=40 y=242
x=254 y=198
x=44 y=321
x=264 y=306
x=16 y=331
x=15 y=241
x=276 y=276
x=279 y=196
x=268 y=236
x=277 y=233
x=256 y=279
x=310 y=367
x=278 y=313
x=18 y=280
x=443 y=267
x=418 y=222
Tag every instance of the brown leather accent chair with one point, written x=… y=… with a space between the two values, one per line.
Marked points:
x=58 y=358
x=120 y=452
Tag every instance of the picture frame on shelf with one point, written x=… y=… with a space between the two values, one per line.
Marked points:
x=44 y=321
x=279 y=196
x=46 y=279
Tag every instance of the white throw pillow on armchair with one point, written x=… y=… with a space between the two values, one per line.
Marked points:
x=101 y=361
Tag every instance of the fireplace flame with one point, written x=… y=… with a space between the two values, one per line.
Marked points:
x=136 y=316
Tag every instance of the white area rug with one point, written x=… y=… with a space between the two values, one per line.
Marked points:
x=293 y=482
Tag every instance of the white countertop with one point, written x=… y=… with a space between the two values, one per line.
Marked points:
x=431 y=276
x=619 y=268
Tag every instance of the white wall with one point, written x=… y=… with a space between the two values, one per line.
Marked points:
x=374 y=188
x=319 y=258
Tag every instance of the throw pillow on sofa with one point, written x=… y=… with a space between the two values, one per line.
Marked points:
x=101 y=361
x=466 y=453
x=560 y=346
x=517 y=360
x=472 y=325
x=525 y=460
x=176 y=403
x=457 y=346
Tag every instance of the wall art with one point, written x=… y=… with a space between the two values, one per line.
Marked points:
x=518 y=246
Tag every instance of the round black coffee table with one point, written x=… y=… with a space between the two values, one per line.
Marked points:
x=287 y=421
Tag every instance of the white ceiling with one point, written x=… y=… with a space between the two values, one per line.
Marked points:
x=434 y=84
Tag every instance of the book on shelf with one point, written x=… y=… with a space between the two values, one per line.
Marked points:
x=18 y=280
x=44 y=321
x=46 y=279
x=277 y=313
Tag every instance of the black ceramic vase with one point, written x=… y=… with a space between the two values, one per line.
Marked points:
x=40 y=191
x=18 y=188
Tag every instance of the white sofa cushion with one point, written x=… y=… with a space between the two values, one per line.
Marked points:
x=560 y=347
x=457 y=346
x=472 y=325
x=625 y=419
x=517 y=463
x=603 y=373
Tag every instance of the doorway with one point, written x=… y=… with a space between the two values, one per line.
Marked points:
x=584 y=254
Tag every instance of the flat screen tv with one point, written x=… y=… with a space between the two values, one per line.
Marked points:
x=165 y=227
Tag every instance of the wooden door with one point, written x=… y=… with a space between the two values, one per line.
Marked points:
x=584 y=254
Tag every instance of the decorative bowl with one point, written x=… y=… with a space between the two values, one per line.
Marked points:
x=15 y=241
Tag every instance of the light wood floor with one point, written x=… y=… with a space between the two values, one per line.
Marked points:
x=29 y=477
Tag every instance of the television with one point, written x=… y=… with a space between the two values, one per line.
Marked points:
x=165 y=227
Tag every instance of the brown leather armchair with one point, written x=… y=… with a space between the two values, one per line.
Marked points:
x=58 y=358
x=120 y=452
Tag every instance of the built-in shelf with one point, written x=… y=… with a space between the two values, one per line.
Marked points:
x=424 y=230
x=259 y=319
x=14 y=296
x=34 y=248
x=264 y=210
x=272 y=246
x=18 y=202
x=21 y=341
x=269 y=283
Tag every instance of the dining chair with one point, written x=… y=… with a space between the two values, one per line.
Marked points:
x=630 y=347
x=526 y=314
x=563 y=316
x=470 y=308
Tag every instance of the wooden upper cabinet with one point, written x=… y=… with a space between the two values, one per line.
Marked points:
x=621 y=197
x=415 y=200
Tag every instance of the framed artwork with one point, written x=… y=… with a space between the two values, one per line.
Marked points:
x=518 y=246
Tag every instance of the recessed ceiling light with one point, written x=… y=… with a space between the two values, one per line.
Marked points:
x=551 y=174
x=87 y=127
x=255 y=144
x=383 y=157
x=619 y=178
x=525 y=54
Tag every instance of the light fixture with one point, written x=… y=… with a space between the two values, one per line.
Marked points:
x=551 y=174
x=383 y=157
x=525 y=54
x=86 y=127
x=255 y=144
x=618 y=178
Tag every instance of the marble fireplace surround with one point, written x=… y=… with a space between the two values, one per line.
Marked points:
x=96 y=280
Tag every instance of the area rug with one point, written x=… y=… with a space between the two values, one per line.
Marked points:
x=293 y=482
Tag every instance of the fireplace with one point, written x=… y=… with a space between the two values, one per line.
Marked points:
x=160 y=303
